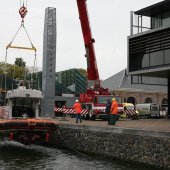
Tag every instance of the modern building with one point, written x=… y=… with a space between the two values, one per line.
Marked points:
x=149 y=91
x=149 y=44
x=72 y=80
x=69 y=84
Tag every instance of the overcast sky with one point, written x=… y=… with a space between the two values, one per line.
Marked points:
x=110 y=24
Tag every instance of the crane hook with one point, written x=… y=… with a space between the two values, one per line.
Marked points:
x=23 y=11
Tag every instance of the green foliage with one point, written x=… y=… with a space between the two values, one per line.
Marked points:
x=20 y=62
x=2 y=68
x=13 y=71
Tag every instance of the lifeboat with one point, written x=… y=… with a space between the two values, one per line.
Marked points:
x=20 y=120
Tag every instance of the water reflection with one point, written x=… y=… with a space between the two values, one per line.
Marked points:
x=14 y=156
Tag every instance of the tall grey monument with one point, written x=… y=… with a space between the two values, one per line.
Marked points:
x=49 y=63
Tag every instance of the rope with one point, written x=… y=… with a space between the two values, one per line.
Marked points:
x=75 y=150
x=22 y=25
x=28 y=37
x=13 y=78
x=25 y=75
x=37 y=80
x=5 y=76
x=14 y=36
x=26 y=48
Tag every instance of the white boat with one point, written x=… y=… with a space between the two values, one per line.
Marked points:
x=21 y=121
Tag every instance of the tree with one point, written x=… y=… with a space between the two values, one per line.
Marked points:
x=2 y=68
x=20 y=62
x=13 y=71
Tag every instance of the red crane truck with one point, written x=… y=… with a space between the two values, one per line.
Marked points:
x=95 y=99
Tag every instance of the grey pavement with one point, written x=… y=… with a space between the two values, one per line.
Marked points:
x=148 y=124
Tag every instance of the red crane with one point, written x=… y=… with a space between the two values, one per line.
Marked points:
x=92 y=70
x=93 y=80
x=95 y=98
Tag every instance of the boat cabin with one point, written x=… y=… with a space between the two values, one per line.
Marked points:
x=24 y=102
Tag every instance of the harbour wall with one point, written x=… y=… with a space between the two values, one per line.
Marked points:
x=140 y=146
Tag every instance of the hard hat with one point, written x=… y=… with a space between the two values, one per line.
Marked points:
x=113 y=99
x=76 y=100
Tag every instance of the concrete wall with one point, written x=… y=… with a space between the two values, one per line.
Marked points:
x=49 y=62
x=140 y=146
x=140 y=97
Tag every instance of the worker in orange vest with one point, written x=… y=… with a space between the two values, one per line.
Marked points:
x=78 y=109
x=113 y=112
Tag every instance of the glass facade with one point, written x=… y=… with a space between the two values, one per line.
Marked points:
x=167 y=56
x=145 y=60
x=149 y=50
x=161 y=20
x=156 y=21
x=154 y=59
x=73 y=80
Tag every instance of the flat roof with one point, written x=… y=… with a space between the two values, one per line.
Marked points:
x=155 y=9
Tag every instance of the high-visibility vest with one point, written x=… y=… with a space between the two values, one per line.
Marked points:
x=114 y=107
x=77 y=107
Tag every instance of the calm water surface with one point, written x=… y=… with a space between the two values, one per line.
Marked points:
x=15 y=156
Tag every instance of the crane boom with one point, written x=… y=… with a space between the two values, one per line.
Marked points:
x=92 y=69
x=94 y=99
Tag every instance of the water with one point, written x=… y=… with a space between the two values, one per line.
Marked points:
x=15 y=156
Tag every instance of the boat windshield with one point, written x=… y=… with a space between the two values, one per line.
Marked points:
x=23 y=106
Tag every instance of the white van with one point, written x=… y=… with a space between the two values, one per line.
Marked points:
x=148 y=110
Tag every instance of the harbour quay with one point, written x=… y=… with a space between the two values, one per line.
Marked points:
x=144 y=141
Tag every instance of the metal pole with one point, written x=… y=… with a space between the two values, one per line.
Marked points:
x=168 y=95
x=138 y=24
x=5 y=77
x=141 y=23
x=131 y=22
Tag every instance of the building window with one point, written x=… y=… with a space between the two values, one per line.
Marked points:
x=164 y=101
x=136 y=79
x=145 y=61
x=148 y=100
x=150 y=50
x=156 y=21
x=131 y=100
x=167 y=56
x=166 y=19
x=156 y=58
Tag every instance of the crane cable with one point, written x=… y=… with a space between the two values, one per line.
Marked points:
x=22 y=12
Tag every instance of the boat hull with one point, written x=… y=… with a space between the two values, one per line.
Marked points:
x=28 y=131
